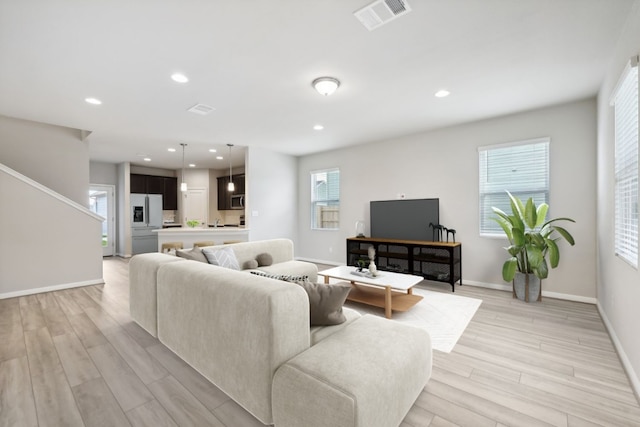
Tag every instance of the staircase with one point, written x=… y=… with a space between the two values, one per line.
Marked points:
x=47 y=241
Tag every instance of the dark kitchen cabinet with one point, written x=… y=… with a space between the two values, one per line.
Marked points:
x=238 y=181
x=155 y=184
x=151 y=184
x=138 y=184
x=224 y=196
x=170 y=194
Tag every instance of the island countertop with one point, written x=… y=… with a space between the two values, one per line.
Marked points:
x=188 y=235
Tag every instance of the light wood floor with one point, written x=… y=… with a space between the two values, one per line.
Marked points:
x=75 y=358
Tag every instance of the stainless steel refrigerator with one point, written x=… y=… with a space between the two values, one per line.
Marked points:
x=146 y=215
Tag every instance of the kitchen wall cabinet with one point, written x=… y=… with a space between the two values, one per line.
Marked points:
x=151 y=184
x=170 y=194
x=138 y=184
x=224 y=196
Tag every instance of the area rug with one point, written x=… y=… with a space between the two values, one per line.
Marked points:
x=445 y=316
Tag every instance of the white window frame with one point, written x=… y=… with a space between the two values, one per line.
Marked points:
x=494 y=193
x=624 y=100
x=332 y=205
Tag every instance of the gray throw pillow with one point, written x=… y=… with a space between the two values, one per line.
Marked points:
x=264 y=260
x=194 y=254
x=325 y=302
x=222 y=256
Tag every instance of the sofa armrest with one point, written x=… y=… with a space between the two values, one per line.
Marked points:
x=235 y=328
x=143 y=272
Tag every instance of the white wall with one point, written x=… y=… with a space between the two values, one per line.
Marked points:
x=444 y=164
x=271 y=194
x=54 y=156
x=103 y=173
x=123 y=217
x=618 y=284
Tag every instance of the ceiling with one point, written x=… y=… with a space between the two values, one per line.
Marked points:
x=253 y=61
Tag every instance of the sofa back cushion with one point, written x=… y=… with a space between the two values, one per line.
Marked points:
x=281 y=250
x=233 y=327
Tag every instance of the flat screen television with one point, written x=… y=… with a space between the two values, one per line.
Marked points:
x=406 y=219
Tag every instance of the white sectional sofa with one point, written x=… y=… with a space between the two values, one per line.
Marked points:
x=251 y=337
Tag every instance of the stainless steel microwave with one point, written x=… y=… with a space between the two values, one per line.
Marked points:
x=237 y=201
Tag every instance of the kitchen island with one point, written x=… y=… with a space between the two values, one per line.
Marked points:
x=188 y=236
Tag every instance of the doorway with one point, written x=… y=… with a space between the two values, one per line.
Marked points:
x=101 y=202
x=196 y=205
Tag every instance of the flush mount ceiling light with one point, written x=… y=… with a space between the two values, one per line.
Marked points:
x=326 y=85
x=93 y=101
x=192 y=165
x=146 y=159
x=179 y=78
x=442 y=93
x=212 y=150
x=318 y=127
x=183 y=184
x=171 y=150
x=231 y=186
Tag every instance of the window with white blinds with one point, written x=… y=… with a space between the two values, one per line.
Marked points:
x=522 y=168
x=625 y=103
x=325 y=199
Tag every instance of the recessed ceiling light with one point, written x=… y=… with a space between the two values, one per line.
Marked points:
x=146 y=159
x=219 y=157
x=442 y=93
x=179 y=78
x=318 y=127
x=192 y=165
x=171 y=150
x=212 y=150
x=93 y=101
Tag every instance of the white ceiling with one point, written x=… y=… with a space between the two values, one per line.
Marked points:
x=254 y=62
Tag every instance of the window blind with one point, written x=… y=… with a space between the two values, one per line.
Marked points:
x=626 y=166
x=522 y=168
x=325 y=199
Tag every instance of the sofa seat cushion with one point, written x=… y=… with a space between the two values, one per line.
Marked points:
x=293 y=268
x=368 y=374
x=318 y=333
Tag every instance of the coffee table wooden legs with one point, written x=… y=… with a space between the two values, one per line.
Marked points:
x=387 y=302
x=380 y=295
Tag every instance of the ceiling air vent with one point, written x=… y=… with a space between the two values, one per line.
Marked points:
x=380 y=12
x=201 y=109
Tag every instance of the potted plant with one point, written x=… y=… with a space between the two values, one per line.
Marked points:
x=532 y=240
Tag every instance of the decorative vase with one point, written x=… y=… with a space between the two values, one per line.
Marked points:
x=527 y=287
x=373 y=269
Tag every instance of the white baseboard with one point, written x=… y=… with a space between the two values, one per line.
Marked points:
x=486 y=285
x=320 y=261
x=556 y=295
x=51 y=288
x=631 y=373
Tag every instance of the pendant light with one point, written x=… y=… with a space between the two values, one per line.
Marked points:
x=183 y=184
x=231 y=186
